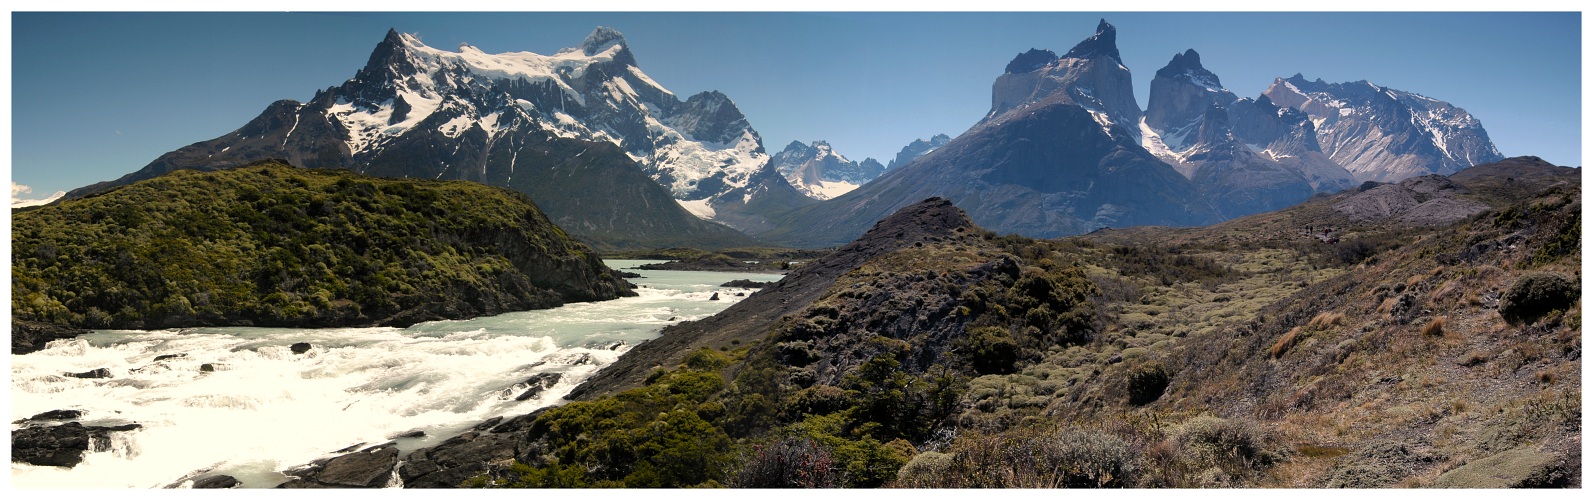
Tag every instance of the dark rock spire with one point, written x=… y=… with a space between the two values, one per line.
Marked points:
x=1102 y=43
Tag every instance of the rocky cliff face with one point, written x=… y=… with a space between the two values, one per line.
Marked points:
x=1091 y=75
x=1179 y=95
x=1244 y=156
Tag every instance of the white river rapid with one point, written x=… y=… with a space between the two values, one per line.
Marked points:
x=263 y=409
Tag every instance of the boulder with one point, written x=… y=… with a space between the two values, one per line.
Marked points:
x=57 y=445
x=61 y=445
x=538 y=383
x=95 y=373
x=56 y=415
x=300 y=347
x=368 y=468
x=217 y=482
x=1525 y=467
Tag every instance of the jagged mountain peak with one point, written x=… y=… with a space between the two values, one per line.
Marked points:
x=604 y=40
x=1103 y=43
x=917 y=148
x=1032 y=60
x=600 y=39
x=1385 y=134
x=389 y=58
x=819 y=172
x=1187 y=66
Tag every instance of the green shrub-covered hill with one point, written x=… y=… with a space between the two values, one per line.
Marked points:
x=274 y=245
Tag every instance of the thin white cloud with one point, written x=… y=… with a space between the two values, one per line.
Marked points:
x=17 y=190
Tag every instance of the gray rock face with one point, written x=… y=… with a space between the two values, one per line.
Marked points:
x=1091 y=75
x=1424 y=200
x=1181 y=92
x=1383 y=134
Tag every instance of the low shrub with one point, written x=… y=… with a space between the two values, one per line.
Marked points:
x=792 y=462
x=1533 y=295
x=1146 y=382
x=926 y=470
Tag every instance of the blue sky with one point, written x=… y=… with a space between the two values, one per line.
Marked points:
x=95 y=95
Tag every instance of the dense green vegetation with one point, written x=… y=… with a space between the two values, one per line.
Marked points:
x=275 y=245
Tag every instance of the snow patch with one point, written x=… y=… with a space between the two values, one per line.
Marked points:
x=458 y=125
x=699 y=208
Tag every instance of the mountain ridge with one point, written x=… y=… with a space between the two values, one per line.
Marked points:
x=415 y=111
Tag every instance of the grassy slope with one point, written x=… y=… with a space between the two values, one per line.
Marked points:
x=1242 y=354
x=276 y=245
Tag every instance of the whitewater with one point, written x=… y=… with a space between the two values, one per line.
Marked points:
x=260 y=408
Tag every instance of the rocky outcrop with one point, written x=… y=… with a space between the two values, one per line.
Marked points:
x=1427 y=200
x=29 y=336
x=368 y=468
x=749 y=320
x=61 y=445
x=222 y=481
x=496 y=442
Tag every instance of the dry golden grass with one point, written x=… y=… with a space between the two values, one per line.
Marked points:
x=1326 y=319
x=1284 y=343
x=1414 y=280
x=1435 y=328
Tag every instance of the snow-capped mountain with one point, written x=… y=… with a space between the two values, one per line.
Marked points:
x=1243 y=156
x=577 y=130
x=1054 y=157
x=820 y=173
x=697 y=148
x=917 y=148
x=1383 y=134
